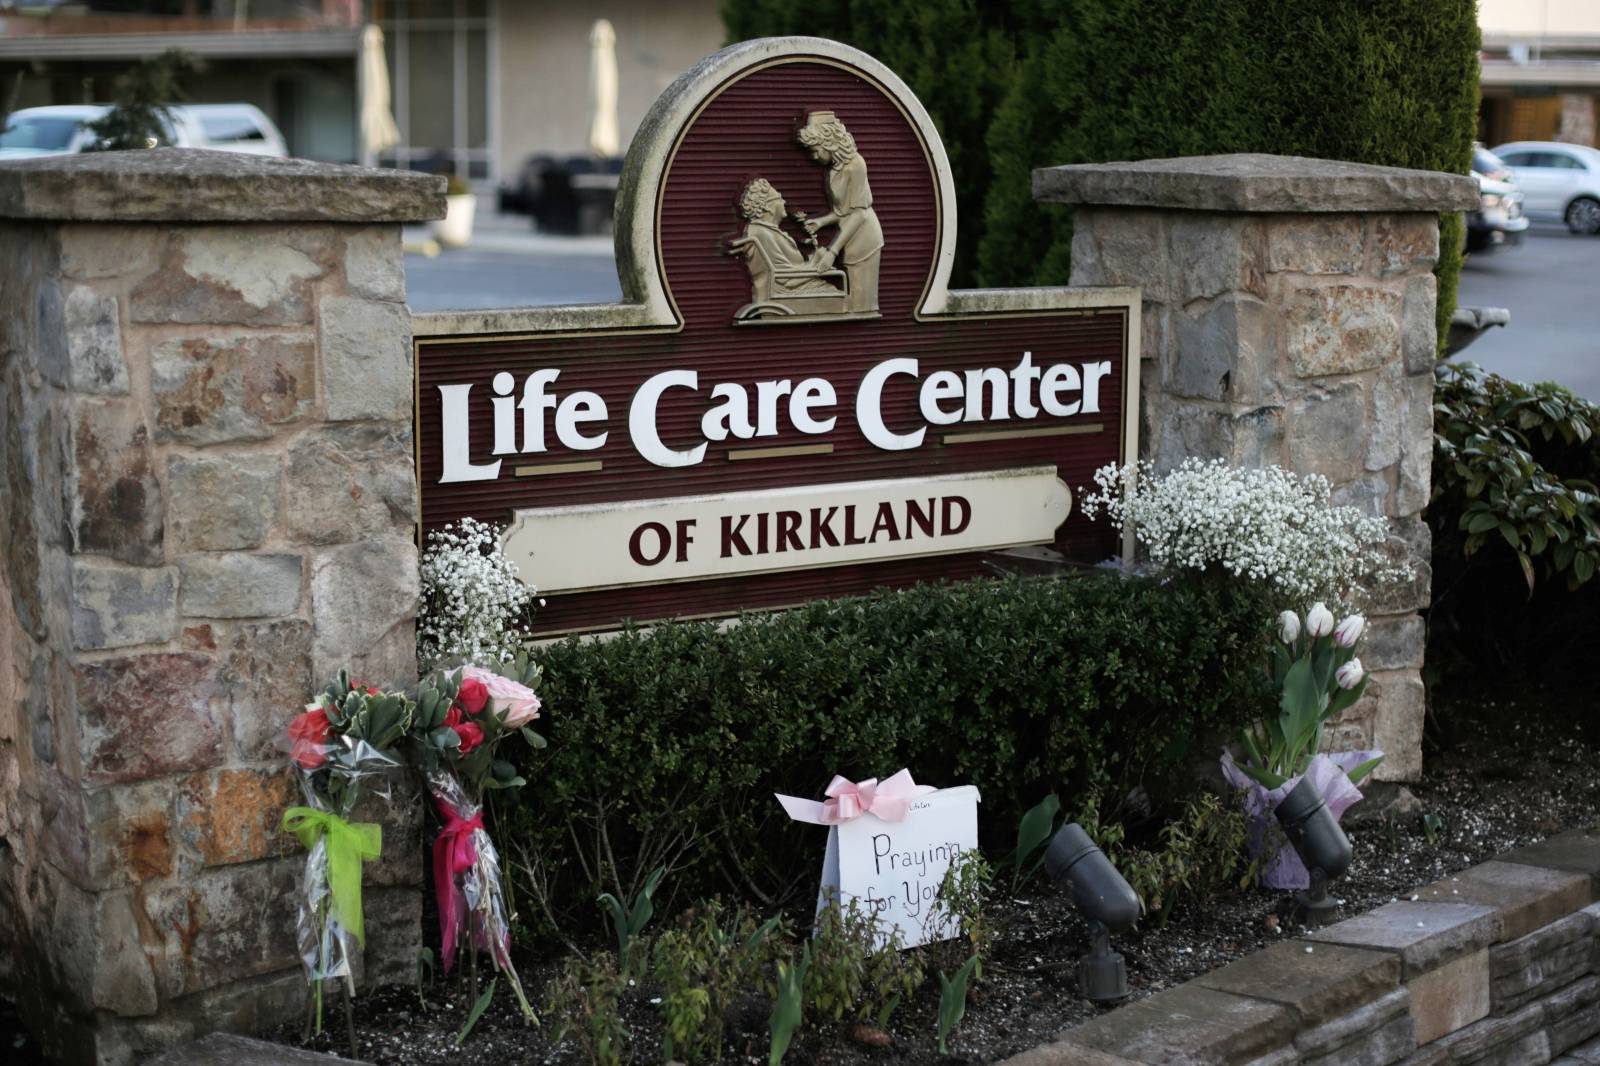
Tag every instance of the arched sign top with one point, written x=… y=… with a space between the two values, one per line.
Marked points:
x=761 y=112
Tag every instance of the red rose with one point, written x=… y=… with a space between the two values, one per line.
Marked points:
x=308 y=754
x=357 y=686
x=471 y=735
x=474 y=694
x=452 y=717
x=309 y=734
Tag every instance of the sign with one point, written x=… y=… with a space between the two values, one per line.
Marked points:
x=896 y=868
x=791 y=402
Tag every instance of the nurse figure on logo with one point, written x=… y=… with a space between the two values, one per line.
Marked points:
x=857 y=245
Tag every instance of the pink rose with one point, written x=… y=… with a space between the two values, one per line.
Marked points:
x=518 y=703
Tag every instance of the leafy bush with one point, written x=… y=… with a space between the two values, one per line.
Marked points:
x=1515 y=519
x=666 y=745
x=1021 y=84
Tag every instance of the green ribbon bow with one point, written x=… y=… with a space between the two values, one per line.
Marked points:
x=348 y=847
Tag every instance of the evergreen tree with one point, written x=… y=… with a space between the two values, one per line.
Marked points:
x=141 y=99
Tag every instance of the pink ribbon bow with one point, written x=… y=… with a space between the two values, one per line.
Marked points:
x=889 y=799
x=453 y=855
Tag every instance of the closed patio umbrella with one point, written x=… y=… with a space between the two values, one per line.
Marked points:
x=603 y=137
x=378 y=130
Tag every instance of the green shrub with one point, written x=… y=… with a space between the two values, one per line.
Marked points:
x=1394 y=83
x=666 y=745
x=1515 y=518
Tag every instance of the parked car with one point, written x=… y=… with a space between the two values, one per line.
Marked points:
x=573 y=194
x=1499 y=219
x=63 y=129
x=1558 y=181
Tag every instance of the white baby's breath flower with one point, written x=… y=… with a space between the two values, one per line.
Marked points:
x=474 y=607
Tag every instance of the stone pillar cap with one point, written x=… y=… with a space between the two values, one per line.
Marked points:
x=196 y=185
x=1255 y=183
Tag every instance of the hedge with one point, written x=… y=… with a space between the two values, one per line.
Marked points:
x=1045 y=82
x=666 y=745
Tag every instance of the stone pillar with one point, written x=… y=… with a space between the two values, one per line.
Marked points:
x=209 y=501
x=1289 y=319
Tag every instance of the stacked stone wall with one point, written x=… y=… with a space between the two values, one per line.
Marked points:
x=205 y=441
x=1498 y=965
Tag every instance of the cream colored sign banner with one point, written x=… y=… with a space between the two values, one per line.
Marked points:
x=688 y=538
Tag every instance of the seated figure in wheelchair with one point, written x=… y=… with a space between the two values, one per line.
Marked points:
x=785 y=281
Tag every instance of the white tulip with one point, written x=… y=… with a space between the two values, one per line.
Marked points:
x=1349 y=631
x=1350 y=674
x=1288 y=627
x=1319 y=620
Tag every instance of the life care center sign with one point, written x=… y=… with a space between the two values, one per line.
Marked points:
x=790 y=402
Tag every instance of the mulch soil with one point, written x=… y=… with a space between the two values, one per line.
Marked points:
x=1511 y=772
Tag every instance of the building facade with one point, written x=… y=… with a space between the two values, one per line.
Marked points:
x=1540 y=71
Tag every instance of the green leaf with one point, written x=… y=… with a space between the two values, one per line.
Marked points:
x=477 y=1012
x=1032 y=832
x=1363 y=770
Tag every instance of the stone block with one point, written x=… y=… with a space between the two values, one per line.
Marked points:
x=1318 y=982
x=221 y=501
x=112 y=495
x=1425 y=935
x=231 y=275
x=1572 y=1014
x=404 y=831
x=20 y=440
x=267 y=680
x=1400 y=244
x=366 y=359
x=1377 y=1033
x=228 y=816
x=1541 y=962
x=1450 y=996
x=1416 y=446
x=1284 y=1056
x=99 y=955
x=1515 y=1040
x=1400 y=706
x=1314 y=244
x=374 y=264
x=1130 y=248
x=1524 y=897
x=130 y=834
x=1222 y=351
x=1370 y=494
x=1410 y=543
x=217 y=388
x=1188 y=1024
x=237 y=585
x=1394 y=643
x=394 y=933
x=228 y=1049
x=255 y=1005
x=1419 y=325
x=1388 y=410
x=224 y=923
x=103 y=250
x=1575 y=851
x=1214 y=254
x=114 y=606
x=1248 y=437
x=1327 y=431
x=364 y=604
x=350 y=483
x=1064 y=1053
x=146 y=716
x=1341 y=329
x=92 y=336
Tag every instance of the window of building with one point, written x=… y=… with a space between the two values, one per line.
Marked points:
x=439 y=54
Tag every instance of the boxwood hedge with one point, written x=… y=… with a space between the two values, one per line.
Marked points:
x=666 y=744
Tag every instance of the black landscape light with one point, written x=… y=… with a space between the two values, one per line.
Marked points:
x=1108 y=901
x=1315 y=835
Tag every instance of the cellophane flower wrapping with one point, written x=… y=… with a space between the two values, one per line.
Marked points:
x=1329 y=772
x=326 y=947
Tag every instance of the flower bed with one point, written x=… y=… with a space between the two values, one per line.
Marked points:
x=1496 y=789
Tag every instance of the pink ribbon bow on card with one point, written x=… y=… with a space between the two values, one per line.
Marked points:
x=889 y=799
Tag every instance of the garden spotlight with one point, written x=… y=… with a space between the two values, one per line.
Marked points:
x=1108 y=901
x=1315 y=835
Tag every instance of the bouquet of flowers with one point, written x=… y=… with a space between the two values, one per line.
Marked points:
x=462 y=716
x=339 y=746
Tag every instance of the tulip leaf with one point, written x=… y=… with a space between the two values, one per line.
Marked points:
x=1364 y=769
